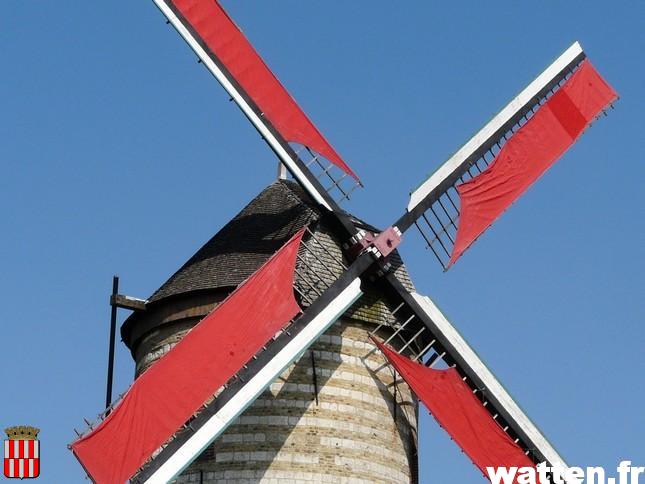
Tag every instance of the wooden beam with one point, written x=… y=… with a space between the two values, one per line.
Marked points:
x=128 y=302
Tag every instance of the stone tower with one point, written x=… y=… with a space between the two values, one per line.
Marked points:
x=337 y=414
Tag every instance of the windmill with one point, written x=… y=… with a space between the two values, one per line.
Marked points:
x=166 y=419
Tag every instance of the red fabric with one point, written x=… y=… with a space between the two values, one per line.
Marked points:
x=454 y=406
x=530 y=152
x=163 y=398
x=220 y=34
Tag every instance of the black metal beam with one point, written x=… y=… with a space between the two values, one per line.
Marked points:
x=110 y=371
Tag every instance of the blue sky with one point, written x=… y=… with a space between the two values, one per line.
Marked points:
x=121 y=154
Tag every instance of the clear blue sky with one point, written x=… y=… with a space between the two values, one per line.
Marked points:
x=120 y=154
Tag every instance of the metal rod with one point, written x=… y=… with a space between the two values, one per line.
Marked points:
x=398 y=330
x=377 y=329
x=423 y=328
x=314 y=159
x=313 y=368
x=110 y=372
x=476 y=166
x=436 y=235
x=326 y=171
x=387 y=324
x=437 y=358
x=462 y=177
x=396 y=310
x=451 y=201
x=486 y=162
x=394 y=397
x=336 y=183
x=349 y=192
x=302 y=295
x=311 y=270
x=471 y=175
x=423 y=351
x=304 y=279
x=429 y=244
x=310 y=232
x=310 y=250
x=483 y=162
x=447 y=215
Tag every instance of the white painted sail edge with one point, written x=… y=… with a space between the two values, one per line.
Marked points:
x=472 y=145
x=492 y=385
x=239 y=100
x=206 y=434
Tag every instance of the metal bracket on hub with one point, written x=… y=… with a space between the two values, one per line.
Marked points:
x=387 y=241
x=380 y=245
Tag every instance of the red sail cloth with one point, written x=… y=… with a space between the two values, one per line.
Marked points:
x=454 y=406
x=530 y=152
x=163 y=398
x=221 y=36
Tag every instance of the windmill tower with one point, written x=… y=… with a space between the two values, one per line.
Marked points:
x=336 y=414
x=295 y=303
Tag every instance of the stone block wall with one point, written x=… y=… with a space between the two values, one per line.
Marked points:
x=342 y=428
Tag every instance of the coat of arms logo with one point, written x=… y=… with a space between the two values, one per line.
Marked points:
x=22 y=452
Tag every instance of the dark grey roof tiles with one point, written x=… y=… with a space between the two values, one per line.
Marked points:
x=245 y=243
x=256 y=233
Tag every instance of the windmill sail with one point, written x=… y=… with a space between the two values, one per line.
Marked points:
x=456 y=408
x=463 y=197
x=448 y=345
x=530 y=152
x=226 y=52
x=167 y=396
x=184 y=401
x=217 y=415
x=421 y=316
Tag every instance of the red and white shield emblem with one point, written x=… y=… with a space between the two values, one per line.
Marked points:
x=22 y=453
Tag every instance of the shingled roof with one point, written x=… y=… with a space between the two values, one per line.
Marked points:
x=257 y=232
x=245 y=243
